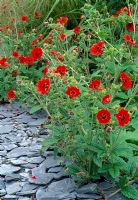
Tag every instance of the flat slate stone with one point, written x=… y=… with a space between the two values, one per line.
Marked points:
x=12 y=177
x=37 y=122
x=41 y=178
x=29 y=165
x=28 y=187
x=24 y=198
x=86 y=189
x=18 y=161
x=13 y=188
x=55 y=169
x=19 y=151
x=2 y=184
x=5 y=129
x=35 y=160
x=6 y=169
x=9 y=147
x=3 y=153
x=43 y=195
x=2 y=193
x=89 y=196
x=65 y=185
x=10 y=197
x=50 y=162
x=60 y=175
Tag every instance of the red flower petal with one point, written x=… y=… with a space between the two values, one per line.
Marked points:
x=103 y=116
x=123 y=117
x=73 y=92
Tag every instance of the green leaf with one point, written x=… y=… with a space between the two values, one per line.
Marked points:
x=132 y=165
x=97 y=161
x=48 y=142
x=114 y=171
x=122 y=95
x=123 y=181
x=130 y=192
x=111 y=67
x=131 y=135
x=35 y=109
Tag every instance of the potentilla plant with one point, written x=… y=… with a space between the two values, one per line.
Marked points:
x=89 y=87
x=18 y=55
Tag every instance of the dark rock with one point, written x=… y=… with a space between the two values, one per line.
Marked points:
x=89 y=196
x=86 y=189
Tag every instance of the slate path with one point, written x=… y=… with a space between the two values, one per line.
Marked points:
x=26 y=173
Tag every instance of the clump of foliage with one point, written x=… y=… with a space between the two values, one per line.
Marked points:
x=86 y=79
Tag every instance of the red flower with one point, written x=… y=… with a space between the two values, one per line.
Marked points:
x=95 y=85
x=62 y=37
x=123 y=117
x=127 y=38
x=15 y=54
x=11 y=94
x=62 y=20
x=106 y=99
x=60 y=70
x=36 y=53
x=76 y=30
x=130 y=26
x=45 y=70
x=73 y=92
x=120 y=11
x=43 y=86
x=24 y=18
x=3 y=62
x=36 y=14
x=126 y=81
x=103 y=116
x=21 y=59
x=29 y=60
x=97 y=49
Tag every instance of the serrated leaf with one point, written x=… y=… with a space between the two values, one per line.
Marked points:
x=131 y=135
x=97 y=161
x=130 y=192
x=122 y=95
x=114 y=171
x=123 y=181
x=48 y=142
